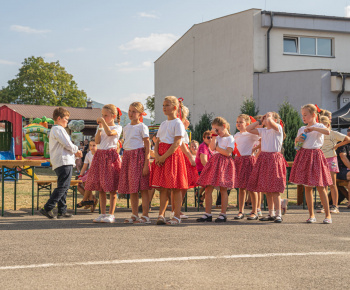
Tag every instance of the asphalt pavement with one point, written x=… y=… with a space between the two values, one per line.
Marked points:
x=75 y=253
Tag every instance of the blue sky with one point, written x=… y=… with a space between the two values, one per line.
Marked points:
x=110 y=46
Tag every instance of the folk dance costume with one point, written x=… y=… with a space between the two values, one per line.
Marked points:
x=245 y=162
x=105 y=167
x=310 y=167
x=269 y=172
x=220 y=169
x=172 y=173
x=192 y=173
x=131 y=179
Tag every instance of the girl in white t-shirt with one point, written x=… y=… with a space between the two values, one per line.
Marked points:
x=269 y=173
x=310 y=166
x=105 y=167
x=88 y=199
x=168 y=171
x=134 y=174
x=219 y=170
x=244 y=164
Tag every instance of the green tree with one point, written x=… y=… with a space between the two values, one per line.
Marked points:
x=292 y=123
x=42 y=83
x=249 y=107
x=203 y=125
x=150 y=100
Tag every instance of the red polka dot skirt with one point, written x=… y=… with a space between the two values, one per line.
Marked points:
x=310 y=168
x=104 y=171
x=269 y=173
x=172 y=173
x=219 y=171
x=244 y=166
x=192 y=173
x=131 y=179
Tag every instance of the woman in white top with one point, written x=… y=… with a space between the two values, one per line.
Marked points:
x=105 y=167
x=310 y=166
x=219 y=170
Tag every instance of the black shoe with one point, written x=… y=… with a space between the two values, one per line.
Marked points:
x=64 y=215
x=278 y=219
x=267 y=219
x=205 y=219
x=48 y=214
x=239 y=216
x=252 y=218
x=221 y=220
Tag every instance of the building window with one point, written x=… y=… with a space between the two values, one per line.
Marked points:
x=307 y=46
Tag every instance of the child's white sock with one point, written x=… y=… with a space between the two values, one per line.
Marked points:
x=278 y=212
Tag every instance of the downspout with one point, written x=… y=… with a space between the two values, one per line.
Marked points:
x=268 y=42
x=342 y=90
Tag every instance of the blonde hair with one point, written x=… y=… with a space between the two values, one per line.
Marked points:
x=245 y=117
x=138 y=106
x=325 y=121
x=173 y=100
x=184 y=112
x=220 y=121
x=311 y=108
x=194 y=141
x=113 y=110
x=325 y=113
x=258 y=117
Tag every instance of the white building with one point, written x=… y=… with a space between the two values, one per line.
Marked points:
x=270 y=56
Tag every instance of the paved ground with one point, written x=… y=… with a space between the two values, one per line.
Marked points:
x=41 y=253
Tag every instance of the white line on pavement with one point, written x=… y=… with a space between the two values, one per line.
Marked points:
x=192 y=258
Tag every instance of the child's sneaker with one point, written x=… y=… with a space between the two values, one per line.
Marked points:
x=284 y=206
x=311 y=220
x=109 y=218
x=259 y=212
x=99 y=218
x=327 y=221
x=334 y=209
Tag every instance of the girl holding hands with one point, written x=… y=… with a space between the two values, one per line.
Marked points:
x=269 y=173
x=310 y=166
x=105 y=167
x=134 y=175
x=219 y=171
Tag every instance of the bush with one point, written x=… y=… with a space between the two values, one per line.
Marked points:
x=292 y=123
x=203 y=125
x=249 y=107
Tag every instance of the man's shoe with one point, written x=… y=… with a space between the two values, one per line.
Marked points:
x=48 y=214
x=64 y=215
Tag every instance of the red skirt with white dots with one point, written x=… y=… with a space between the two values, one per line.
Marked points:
x=244 y=166
x=219 y=171
x=131 y=179
x=269 y=173
x=104 y=171
x=310 y=168
x=172 y=173
x=192 y=173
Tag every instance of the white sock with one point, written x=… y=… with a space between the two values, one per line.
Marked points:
x=206 y=215
x=222 y=216
x=278 y=212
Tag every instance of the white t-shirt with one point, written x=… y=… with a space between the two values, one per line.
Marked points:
x=88 y=158
x=330 y=141
x=168 y=130
x=110 y=142
x=271 y=140
x=185 y=139
x=245 y=142
x=224 y=142
x=133 y=136
x=314 y=139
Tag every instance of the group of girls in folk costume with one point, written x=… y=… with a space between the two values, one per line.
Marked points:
x=174 y=171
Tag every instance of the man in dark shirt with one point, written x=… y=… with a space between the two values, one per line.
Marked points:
x=343 y=153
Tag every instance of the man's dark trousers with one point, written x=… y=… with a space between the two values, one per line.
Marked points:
x=59 y=195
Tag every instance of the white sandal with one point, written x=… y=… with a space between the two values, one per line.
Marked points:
x=161 y=220
x=143 y=220
x=174 y=221
x=131 y=220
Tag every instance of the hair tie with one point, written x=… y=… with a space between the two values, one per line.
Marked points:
x=120 y=144
x=281 y=123
x=252 y=119
x=119 y=112
x=318 y=109
x=141 y=117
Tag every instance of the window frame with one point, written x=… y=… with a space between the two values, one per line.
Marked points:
x=297 y=38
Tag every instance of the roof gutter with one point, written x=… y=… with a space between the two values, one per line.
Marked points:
x=343 y=77
x=268 y=42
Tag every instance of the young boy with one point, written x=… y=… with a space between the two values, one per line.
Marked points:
x=62 y=152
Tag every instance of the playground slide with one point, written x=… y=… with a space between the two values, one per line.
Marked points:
x=31 y=146
x=8 y=155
